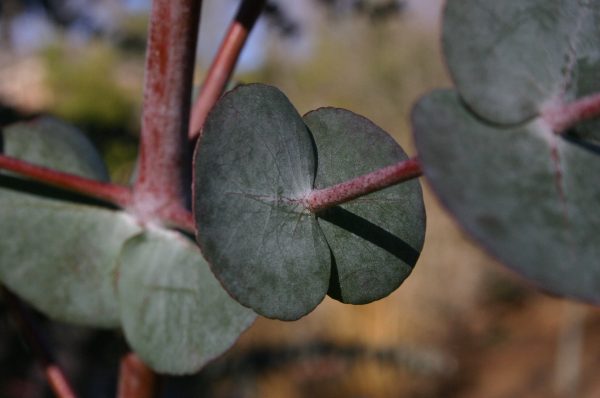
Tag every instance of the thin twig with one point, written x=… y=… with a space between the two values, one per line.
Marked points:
x=224 y=63
x=136 y=380
x=57 y=379
x=112 y=193
x=175 y=216
x=563 y=116
x=321 y=199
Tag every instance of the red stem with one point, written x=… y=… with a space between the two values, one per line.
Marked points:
x=165 y=158
x=57 y=380
x=162 y=190
x=563 y=116
x=224 y=63
x=112 y=193
x=177 y=217
x=118 y=195
x=136 y=380
x=321 y=199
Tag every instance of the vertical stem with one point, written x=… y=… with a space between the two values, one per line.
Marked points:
x=136 y=380
x=224 y=63
x=165 y=158
x=54 y=374
x=163 y=182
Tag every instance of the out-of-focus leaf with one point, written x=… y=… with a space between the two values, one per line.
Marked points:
x=511 y=58
x=57 y=254
x=175 y=314
x=529 y=196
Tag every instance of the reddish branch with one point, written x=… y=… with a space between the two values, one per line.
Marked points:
x=224 y=63
x=112 y=193
x=118 y=195
x=321 y=199
x=563 y=116
x=163 y=186
x=136 y=380
x=56 y=377
x=177 y=217
x=165 y=158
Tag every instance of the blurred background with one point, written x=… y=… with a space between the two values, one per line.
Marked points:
x=460 y=326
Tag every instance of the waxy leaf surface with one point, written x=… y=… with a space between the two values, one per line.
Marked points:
x=528 y=195
x=175 y=314
x=375 y=239
x=254 y=162
x=57 y=254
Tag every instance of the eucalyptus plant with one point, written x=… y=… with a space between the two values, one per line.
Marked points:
x=287 y=209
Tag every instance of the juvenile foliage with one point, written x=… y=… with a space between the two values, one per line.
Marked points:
x=91 y=264
x=174 y=312
x=256 y=162
x=56 y=253
x=514 y=153
x=516 y=180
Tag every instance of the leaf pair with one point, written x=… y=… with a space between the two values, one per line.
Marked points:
x=529 y=195
x=256 y=162
x=84 y=263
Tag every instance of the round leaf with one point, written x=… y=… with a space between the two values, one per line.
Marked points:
x=56 y=254
x=174 y=312
x=376 y=239
x=254 y=162
x=509 y=59
x=528 y=195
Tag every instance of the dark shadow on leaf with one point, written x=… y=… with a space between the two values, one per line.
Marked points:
x=313 y=144
x=588 y=145
x=365 y=229
x=335 y=289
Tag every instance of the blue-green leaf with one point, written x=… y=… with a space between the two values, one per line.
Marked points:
x=57 y=254
x=376 y=239
x=175 y=314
